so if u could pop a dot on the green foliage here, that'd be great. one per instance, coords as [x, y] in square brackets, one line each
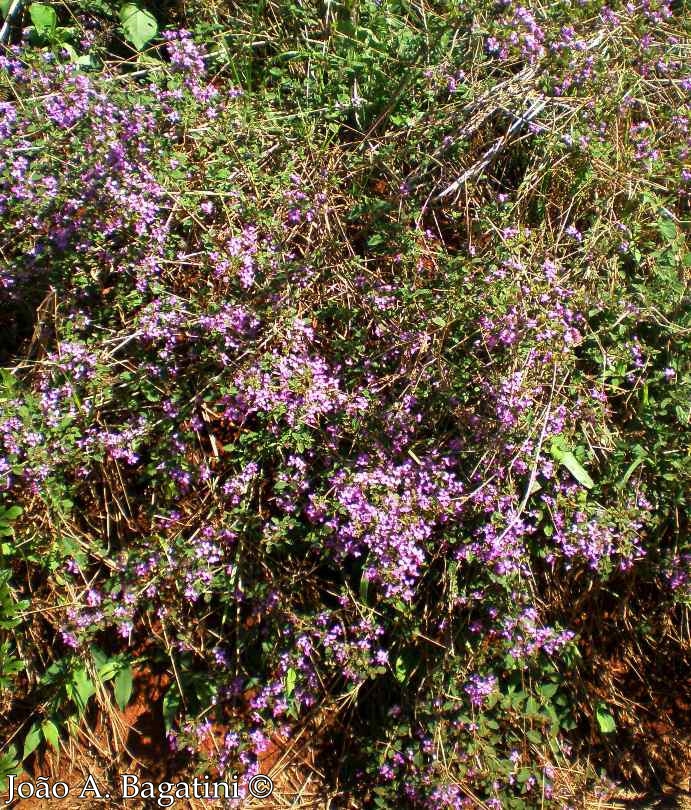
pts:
[11, 607]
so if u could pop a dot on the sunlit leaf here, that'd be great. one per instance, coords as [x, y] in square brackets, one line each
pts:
[139, 25]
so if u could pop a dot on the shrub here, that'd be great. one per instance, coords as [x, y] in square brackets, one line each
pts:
[358, 383]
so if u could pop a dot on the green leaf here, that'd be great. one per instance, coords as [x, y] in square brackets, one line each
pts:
[44, 18]
[605, 719]
[82, 689]
[100, 658]
[668, 230]
[5, 8]
[72, 53]
[51, 734]
[171, 706]
[548, 690]
[364, 587]
[139, 25]
[291, 679]
[32, 740]
[400, 670]
[123, 687]
[8, 765]
[107, 668]
[565, 457]
[632, 467]
[87, 61]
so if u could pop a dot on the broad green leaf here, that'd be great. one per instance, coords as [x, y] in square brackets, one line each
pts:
[32, 740]
[139, 25]
[568, 460]
[51, 734]
[123, 687]
[5, 8]
[667, 228]
[44, 18]
[605, 719]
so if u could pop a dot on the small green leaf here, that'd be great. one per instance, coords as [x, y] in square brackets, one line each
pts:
[8, 766]
[171, 706]
[44, 18]
[400, 670]
[82, 690]
[605, 719]
[87, 61]
[51, 734]
[632, 467]
[523, 775]
[100, 658]
[123, 687]
[32, 740]
[139, 25]
[72, 53]
[291, 679]
[364, 587]
[548, 690]
[109, 669]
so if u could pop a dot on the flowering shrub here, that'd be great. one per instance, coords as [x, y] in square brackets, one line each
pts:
[352, 388]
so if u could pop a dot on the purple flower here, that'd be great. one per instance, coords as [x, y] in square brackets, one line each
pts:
[479, 687]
